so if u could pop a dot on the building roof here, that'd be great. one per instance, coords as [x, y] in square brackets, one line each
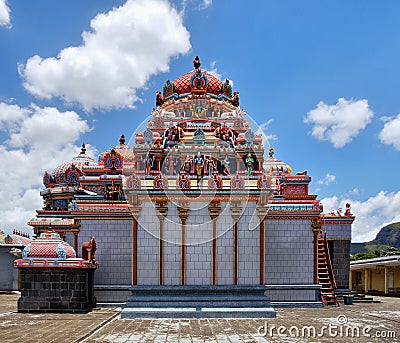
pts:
[14, 239]
[69, 172]
[385, 261]
[48, 245]
[183, 83]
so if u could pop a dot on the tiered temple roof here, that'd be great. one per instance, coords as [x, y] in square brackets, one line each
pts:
[198, 140]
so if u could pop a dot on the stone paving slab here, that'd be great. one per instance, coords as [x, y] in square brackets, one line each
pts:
[28, 327]
[105, 325]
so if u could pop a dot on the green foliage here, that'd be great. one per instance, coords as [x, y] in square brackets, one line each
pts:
[387, 236]
[387, 251]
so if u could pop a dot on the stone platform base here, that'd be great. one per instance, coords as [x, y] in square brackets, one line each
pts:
[60, 290]
[294, 296]
[244, 301]
[112, 294]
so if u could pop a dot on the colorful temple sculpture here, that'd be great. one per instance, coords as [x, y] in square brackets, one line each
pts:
[52, 279]
[197, 202]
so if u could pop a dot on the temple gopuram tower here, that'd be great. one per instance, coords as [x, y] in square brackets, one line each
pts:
[196, 201]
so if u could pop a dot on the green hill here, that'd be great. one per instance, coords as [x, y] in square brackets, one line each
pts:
[388, 236]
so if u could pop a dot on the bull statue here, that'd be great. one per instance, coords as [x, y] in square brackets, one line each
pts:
[89, 249]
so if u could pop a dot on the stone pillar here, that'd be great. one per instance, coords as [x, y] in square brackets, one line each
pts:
[236, 212]
[135, 210]
[158, 161]
[183, 215]
[238, 162]
[262, 212]
[214, 210]
[351, 280]
[162, 210]
[316, 228]
[366, 280]
[386, 281]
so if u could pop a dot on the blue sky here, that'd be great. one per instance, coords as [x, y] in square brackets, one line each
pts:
[321, 77]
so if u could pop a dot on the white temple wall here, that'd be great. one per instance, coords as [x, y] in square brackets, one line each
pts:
[199, 245]
[172, 246]
[288, 248]
[225, 258]
[148, 246]
[114, 253]
[249, 246]
[289, 252]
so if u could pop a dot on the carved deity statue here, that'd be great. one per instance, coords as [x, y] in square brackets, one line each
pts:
[210, 165]
[196, 62]
[226, 134]
[159, 99]
[226, 89]
[235, 99]
[225, 166]
[172, 135]
[249, 164]
[199, 165]
[148, 164]
[187, 165]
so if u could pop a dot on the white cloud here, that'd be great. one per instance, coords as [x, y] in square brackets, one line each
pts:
[4, 14]
[341, 122]
[39, 139]
[214, 72]
[390, 132]
[266, 137]
[205, 4]
[124, 48]
[199, 5]
[371, 215]
[329, 178]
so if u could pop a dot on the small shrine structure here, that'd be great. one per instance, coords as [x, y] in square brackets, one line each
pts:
[52, 279]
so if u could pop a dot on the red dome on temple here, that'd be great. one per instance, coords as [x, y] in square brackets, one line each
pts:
[182, 84]
[69, 172]
[48, 246]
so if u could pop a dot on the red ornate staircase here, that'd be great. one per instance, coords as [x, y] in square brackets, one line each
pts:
[326, 277]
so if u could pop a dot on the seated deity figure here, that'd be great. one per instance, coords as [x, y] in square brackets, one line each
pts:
[249, 164]
[166, 167]
[235, 99]
[172, 136]
[226, 134]
[187, 165]
[348, 210]
[159, 99]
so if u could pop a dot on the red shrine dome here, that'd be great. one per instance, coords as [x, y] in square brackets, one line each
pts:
[48, 246]
[69, 172]
[196, 82]
[183, 83]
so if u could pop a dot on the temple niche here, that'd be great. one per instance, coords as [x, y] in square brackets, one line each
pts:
[195, 200]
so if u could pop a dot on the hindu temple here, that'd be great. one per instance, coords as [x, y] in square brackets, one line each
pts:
[195, 205]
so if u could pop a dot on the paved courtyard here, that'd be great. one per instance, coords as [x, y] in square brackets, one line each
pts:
[377, 322]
